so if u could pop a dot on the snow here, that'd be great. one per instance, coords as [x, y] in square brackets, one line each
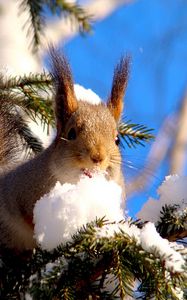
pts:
[150, 241]
[110, 230]
[178, 292]
[86, 94]
[59, 214]
[172, 191]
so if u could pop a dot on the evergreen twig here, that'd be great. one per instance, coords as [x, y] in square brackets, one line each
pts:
[74, 11]
[31, 95]
[134, 134]
[31, 143]
[37, 11]
[173, 222]
[35, 21]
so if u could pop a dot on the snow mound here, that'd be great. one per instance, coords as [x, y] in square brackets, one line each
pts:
[172, 191]
[86, 94]
[58, 214]
[150, 241]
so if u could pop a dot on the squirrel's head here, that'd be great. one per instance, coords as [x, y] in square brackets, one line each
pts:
[87, 136]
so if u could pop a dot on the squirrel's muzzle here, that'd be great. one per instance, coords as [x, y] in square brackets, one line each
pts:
[98, 155]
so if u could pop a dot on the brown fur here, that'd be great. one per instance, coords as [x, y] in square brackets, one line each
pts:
[63, 81]
[65, 159]
[120, 80]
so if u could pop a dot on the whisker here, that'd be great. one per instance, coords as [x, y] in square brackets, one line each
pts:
[64, 139]
[132, 167]
[115, 161]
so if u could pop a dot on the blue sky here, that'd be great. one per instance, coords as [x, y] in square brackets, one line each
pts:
[154, 32]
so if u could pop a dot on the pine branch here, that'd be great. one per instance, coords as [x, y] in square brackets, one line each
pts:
[78, 266]
[134, 134]
[20, 134]
[124, 277]
[31, 143]
[32, 94]
[144, 266]
[173, 222]
[13, 100]
[74, 270]
[74, 11]
[40, 80]
[36, 19]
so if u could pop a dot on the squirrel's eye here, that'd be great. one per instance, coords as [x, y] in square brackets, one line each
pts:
[117, 140]
[72, 134]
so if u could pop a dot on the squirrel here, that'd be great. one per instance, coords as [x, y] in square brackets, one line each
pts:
[86, 139]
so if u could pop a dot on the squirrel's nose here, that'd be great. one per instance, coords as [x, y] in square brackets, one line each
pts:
[98, 156]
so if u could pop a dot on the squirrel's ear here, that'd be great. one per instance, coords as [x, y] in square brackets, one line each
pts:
[65, 99]
[119, 84]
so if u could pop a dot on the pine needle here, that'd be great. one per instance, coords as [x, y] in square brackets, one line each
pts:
[134, 134]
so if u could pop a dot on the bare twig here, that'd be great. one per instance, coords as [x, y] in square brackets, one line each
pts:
[177, 236]
[156, 156]
[178, 154]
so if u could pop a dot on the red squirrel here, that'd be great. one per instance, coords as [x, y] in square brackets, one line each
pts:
[86, 139]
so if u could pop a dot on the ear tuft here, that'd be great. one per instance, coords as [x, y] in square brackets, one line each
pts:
[119, 84]
[65, 99]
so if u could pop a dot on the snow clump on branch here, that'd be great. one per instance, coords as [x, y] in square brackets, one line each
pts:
[66, 208]
[149, 239]
[61, 212]
[173, 191]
